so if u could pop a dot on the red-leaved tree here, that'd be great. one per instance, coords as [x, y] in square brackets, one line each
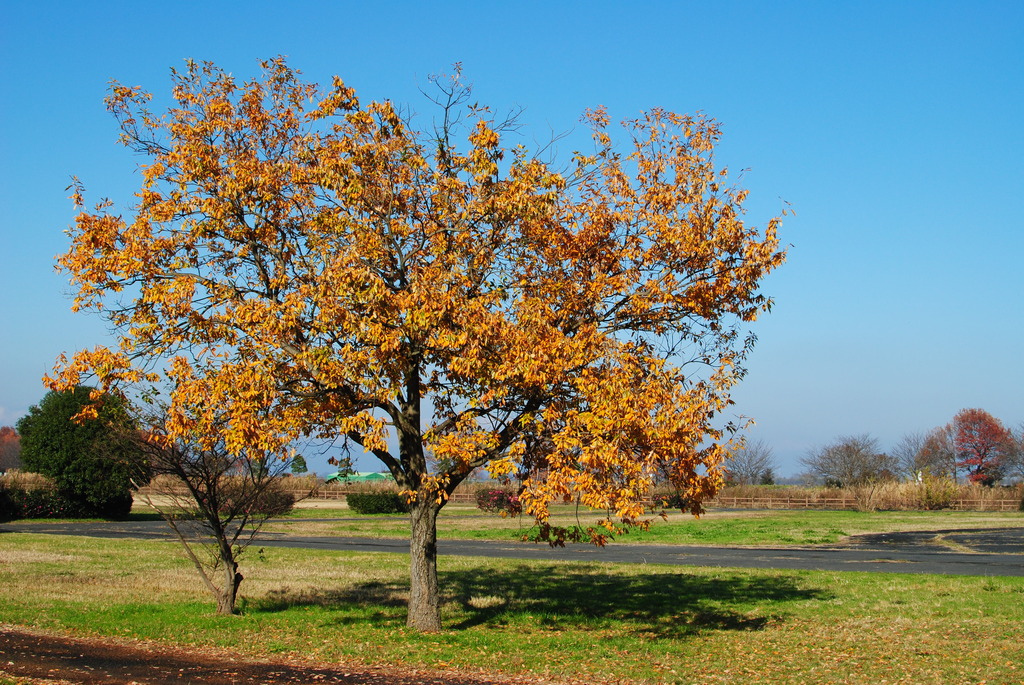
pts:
[981, 443]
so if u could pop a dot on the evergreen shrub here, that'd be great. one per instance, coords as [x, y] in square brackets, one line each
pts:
[377, 503]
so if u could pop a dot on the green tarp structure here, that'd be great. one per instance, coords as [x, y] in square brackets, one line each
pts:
[357, 477]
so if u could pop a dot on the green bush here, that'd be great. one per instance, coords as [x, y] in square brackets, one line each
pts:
[377, 503]
[92, 462]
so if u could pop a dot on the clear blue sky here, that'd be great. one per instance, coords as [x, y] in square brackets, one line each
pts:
[894, 129]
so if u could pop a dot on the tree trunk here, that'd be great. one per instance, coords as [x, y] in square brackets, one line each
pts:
[229, 592]
[424, 601]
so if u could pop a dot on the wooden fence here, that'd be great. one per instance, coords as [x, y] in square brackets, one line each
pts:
[783, 502]
[728, 502]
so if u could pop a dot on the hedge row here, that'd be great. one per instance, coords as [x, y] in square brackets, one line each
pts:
[377, 503]
[16, 503]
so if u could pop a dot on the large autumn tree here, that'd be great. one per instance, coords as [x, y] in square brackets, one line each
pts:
[316, 266]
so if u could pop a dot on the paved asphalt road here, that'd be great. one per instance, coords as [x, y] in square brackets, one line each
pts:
[990, 552]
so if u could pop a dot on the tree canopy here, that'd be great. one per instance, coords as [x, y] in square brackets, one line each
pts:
[314, 266]
[982, 444]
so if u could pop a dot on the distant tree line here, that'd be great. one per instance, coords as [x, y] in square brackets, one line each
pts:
[975, 447]
[10, 449]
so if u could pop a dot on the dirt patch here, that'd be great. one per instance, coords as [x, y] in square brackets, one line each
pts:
[46, 658]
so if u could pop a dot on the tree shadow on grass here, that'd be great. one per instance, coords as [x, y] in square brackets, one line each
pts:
[375, 595]
[578, 597]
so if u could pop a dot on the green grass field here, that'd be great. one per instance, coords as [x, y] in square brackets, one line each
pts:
[758, 527]
[597, 622]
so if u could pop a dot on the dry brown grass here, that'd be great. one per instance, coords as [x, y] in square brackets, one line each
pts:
[929, 494]
[25, 480]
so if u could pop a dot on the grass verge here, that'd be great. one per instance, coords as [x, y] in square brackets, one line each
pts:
[599, 622]
[751, 527]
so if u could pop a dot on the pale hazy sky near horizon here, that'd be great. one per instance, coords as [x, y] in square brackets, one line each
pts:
[893, 129]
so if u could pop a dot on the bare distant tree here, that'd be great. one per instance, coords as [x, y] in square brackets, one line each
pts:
[906, 452]
[850, 461]
[751, 463]
[1013, 462]
[938, 453]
